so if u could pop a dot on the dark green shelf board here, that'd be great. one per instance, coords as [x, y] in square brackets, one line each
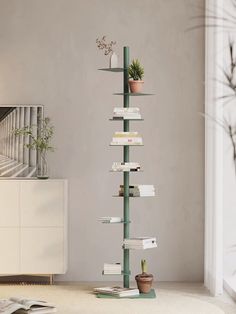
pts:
[150, 295]
[133, 94]
[112, 69]
[126, 119]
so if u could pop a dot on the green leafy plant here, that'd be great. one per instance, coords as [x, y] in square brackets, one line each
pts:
[136, 71]
[40, 135]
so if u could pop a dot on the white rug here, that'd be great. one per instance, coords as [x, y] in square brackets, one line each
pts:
[78, 299]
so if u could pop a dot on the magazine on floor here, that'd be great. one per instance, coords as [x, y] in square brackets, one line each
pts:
[20, 305]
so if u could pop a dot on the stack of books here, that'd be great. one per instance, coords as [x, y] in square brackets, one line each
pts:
[125, 166]
[112, 269]
[126, 138]
[110, 219]
[140, 243]
[118, 292]
[126, 113]
[138, 190]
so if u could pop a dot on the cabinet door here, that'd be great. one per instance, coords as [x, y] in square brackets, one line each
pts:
[42, 203]
[42, 250]
[9, 204]
[10, 253]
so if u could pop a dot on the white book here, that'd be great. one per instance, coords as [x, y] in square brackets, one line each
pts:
[126, 110]
[127, 140]
[128, 144]
[126, 134]
[145, 247]
[140, 240]
[110, 219]
[125, 164]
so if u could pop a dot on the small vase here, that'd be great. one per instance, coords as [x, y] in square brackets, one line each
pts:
[42, 166]
[113, 60]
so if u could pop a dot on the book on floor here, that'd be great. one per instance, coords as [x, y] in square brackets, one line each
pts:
[20, 305]
[117, 291]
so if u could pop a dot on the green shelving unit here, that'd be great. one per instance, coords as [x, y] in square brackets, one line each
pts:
[126, 175]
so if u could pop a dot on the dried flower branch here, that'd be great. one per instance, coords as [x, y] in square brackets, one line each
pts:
[102, 44]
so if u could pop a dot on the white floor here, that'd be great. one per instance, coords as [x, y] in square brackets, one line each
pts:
[172, 298]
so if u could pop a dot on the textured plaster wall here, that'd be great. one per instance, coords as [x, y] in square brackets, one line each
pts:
[48, 56]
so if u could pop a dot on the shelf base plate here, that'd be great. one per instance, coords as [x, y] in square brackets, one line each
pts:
[150, 295]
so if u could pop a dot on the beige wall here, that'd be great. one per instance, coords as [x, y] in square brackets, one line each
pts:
[48, 56]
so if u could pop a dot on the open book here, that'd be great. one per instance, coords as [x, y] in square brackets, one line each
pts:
[26, 306]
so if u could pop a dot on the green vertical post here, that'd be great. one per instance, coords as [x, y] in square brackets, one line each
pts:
[126, 174]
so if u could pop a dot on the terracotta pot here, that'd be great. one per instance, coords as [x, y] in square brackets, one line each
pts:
[136, 86]
[144, 282]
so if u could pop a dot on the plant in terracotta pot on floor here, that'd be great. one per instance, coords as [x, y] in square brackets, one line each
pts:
[136, 72]
[40, 137]
[144, 280]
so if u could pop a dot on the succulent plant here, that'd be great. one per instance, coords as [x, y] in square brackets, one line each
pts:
[144, 266]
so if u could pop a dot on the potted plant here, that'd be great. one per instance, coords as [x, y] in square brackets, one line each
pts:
[136, 72]
[144, 280]
[108, 50]
[40, 137]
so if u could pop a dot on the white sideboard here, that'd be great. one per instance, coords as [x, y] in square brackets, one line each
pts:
[33, 227]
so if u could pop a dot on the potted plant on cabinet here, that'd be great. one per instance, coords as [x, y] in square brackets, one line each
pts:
[144, 280]
[40, 136]
[136, 72]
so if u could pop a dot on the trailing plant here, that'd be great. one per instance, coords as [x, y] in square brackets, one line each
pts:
[136, 71]
[106, 46]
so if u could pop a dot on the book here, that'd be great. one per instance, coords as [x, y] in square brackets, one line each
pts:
[126, 138]
[142, 240]
[138, 190]
[121, 110]
[131, 140]
[110, 219]
[126, 166]
[21, 305]
[140, 243]
[128, 117]
[117, 291]
[112, 269]
[140, 186]
[137, 194]
[126, 134]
